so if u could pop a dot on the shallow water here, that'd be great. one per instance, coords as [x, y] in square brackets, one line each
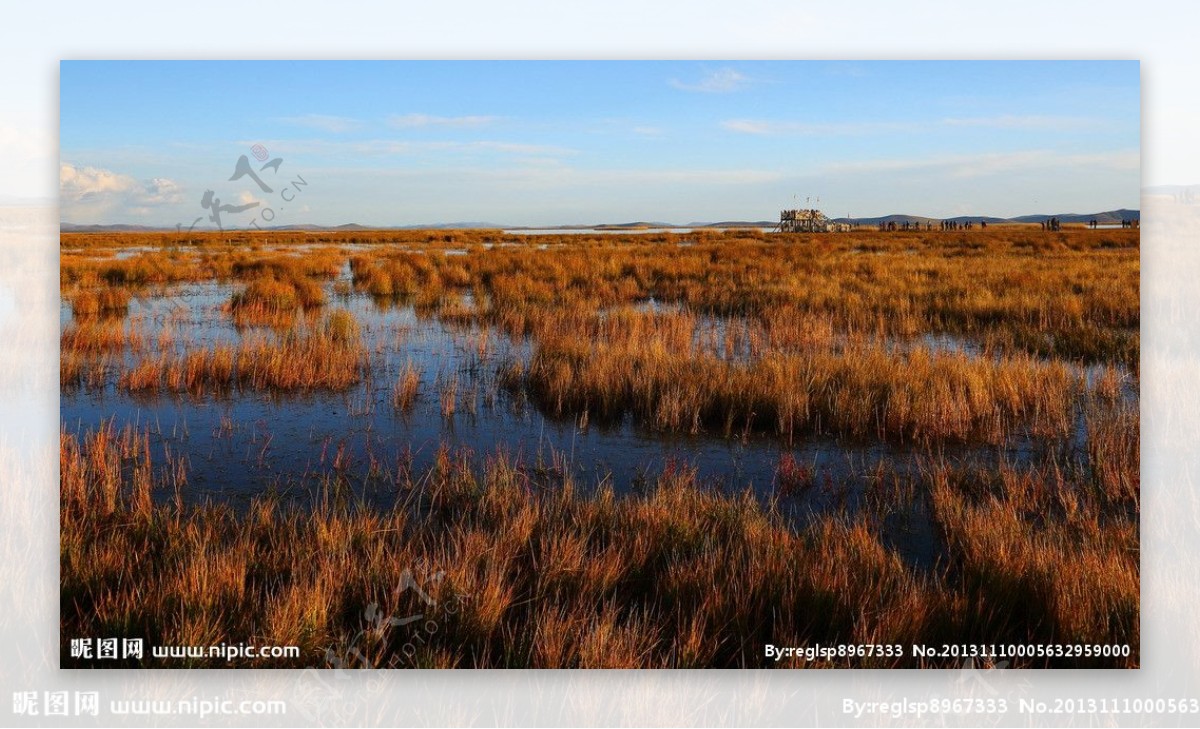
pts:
[240, 445]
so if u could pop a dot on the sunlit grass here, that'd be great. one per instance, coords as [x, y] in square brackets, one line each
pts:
[329, 356]
[541, 574]
[930, 340]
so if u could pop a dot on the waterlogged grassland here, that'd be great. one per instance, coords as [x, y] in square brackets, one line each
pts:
[603, 450]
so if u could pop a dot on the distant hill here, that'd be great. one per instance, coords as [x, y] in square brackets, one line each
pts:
[422, 226]
[898, 219]
[735, 224]
[307, 226]
[1108, 217]
[118, 228]
[631, 226]
[446, 226]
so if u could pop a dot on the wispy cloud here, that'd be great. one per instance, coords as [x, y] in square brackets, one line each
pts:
[411, 121]
[388, 147]
[981, 165]
[766, 127]
[679, 177]
[325, 122]
[565, 177]
[720, 81]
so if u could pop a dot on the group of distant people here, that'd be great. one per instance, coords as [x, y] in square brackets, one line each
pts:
[906, 225]
[962, 224]
[1049, 224]
[943, 225]
[1125, 223]
[1055, 224]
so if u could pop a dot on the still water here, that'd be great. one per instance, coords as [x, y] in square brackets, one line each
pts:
[239, 445]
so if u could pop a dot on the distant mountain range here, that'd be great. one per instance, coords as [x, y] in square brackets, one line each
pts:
[1108, 217]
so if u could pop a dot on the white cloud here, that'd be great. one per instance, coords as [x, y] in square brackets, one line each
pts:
[92, 190]
[160, 191]
[720, 81]
[245, 197]
[410, 121]
[87, 183]
[326, 122]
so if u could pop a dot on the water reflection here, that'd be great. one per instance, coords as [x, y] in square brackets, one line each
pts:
[240, 445]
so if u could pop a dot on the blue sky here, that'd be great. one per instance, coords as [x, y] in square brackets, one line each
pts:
[543, 143]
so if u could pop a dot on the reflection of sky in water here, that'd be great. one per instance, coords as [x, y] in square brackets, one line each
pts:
[239, 445]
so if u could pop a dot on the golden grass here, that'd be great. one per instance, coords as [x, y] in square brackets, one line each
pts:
[274, 298]
[407, 387]
[139, 269]
[92, 336]
[448, 395]
[532, 572]
[1066, 294]
[652, 366]
[791, 336]
[88, 346]
[108, 300]
[274, 295]
[76, 369]
[328, 356]
[1072, 578]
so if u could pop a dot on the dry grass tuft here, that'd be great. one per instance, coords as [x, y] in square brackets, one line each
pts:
[515, 567]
